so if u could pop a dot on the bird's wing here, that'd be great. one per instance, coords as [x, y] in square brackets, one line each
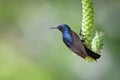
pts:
[78, 46]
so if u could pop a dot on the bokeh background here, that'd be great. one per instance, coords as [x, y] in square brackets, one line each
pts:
[29, 50]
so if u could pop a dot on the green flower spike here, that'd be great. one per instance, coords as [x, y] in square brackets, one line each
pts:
[95, 43]
[87, 21]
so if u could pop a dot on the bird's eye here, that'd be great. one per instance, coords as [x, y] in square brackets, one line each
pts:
[60, 28]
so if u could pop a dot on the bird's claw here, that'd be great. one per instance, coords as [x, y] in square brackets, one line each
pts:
[81, 36]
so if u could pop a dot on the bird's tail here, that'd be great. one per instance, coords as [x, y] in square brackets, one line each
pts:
[91, 54]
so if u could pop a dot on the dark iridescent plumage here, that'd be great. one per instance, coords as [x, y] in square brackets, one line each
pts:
[74, 43]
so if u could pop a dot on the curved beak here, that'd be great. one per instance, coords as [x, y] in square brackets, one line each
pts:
[53, 28]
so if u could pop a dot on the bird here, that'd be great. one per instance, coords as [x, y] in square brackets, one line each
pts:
[75, 43]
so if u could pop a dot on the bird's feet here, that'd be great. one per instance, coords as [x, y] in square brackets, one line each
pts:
[81, 36]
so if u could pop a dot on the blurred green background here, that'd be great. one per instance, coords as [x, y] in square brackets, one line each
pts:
[29, 50]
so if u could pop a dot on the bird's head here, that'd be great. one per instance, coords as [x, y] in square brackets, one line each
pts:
[62, 27]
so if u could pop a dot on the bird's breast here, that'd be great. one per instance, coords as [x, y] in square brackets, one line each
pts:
[68, 40]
